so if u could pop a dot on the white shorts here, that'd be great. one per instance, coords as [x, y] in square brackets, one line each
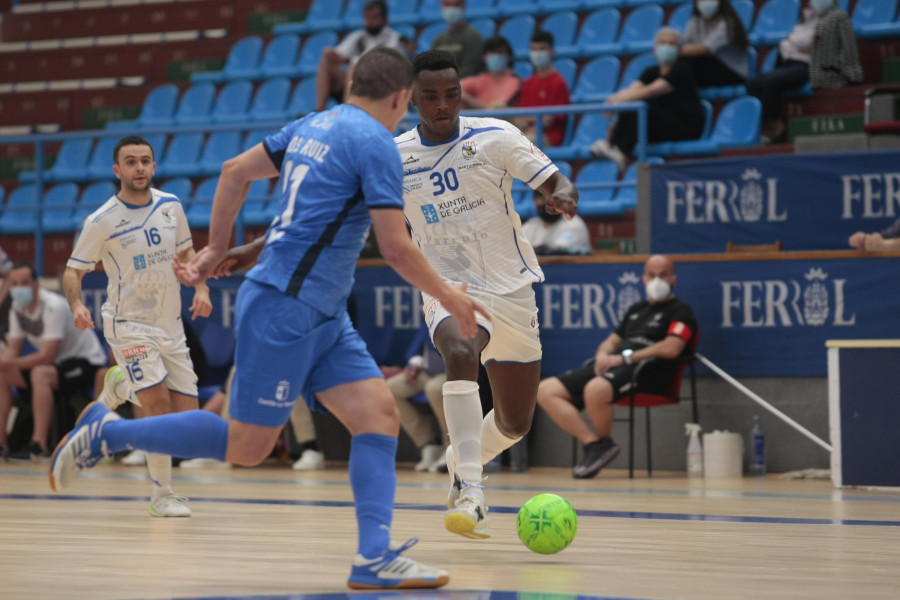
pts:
[514, 331]
[150, 355]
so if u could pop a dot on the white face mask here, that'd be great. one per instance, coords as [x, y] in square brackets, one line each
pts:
[657, 290]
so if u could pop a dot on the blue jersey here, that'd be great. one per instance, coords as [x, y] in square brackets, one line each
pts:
[335, 166]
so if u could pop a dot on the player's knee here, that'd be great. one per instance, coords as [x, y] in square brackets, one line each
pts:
[460, 356]
[598, 390]
[42, 375]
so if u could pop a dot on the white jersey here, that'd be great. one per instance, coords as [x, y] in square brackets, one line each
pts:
[136, 245]
[458, 204]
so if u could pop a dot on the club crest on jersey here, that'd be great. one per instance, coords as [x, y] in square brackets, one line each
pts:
[468, 150]
[140, 262]
[165, 213]
[431, 214]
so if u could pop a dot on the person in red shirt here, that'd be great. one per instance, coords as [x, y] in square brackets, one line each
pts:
[545, 88]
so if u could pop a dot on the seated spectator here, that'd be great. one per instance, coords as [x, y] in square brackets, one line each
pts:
[834, 58]
[336, 64]
[659, 328]
[715, 44]
[550, 233]
[674, 111]
[499, 86]
[545, 88]
[460, 39]
[65, 359]
[886, 240]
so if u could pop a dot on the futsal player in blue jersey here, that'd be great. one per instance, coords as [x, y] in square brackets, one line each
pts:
[340, 175]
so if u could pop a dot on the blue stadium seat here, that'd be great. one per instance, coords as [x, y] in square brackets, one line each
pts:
[509, 8]
[635, 67]
[427, 35]
[254, 137]
[242, 62]
[680, 16]
[182, 157]
[523, 69]
[403, 12]
[312, 51]
[100, 164]
[70, 164]
[220, 146]
[599, 28]
[270, 101]
[232, 102]
[486, 27]
[769, 63]
[597, 80]
[639, 28]
[596, 4]
[430, 12]
[667, 148]
[92, 197]
[552, 6]
[627, 196]
[353, 14]
[563, 25]
[736, 126]
[591, 127]
[567, 68]
[323, 15]
[303, 100]
[180, 187]
[517, 31]
[598, 202]
[281, 57]
[875, 19]
[159, 106]
[196, 102]
[24, 219]
[745, 10]
[481, 9]
[258, 209]
[404, 30]
[198, 213]
[523, 203]
[59, 207]
[775, 20]
[727, 92]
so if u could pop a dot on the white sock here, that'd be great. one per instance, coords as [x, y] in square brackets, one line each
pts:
[462, 409]
[124, 394]
[160, 467]
[493, 442]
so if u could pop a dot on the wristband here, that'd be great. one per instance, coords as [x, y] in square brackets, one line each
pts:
[626, 356]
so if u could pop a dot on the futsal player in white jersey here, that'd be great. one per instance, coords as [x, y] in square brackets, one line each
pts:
[457, 177]
[136, 234]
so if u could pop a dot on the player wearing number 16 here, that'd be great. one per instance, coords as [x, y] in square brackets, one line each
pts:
[136, 234]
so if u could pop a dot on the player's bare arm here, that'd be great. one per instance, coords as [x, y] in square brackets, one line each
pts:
[561, 194]
[239, 258]
[404, 257]
[72, 289]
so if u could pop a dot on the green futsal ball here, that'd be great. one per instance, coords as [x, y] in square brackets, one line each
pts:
[547, 523]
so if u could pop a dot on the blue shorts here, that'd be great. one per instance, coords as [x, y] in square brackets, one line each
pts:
[286, 347]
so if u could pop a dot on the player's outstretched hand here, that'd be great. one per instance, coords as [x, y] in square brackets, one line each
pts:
[237, 259]
[202, 305]
[561, 203]
[83, 318]
[198, 268]
[463, 308]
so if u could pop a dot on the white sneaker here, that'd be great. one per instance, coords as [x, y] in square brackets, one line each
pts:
[310, 460]
[203, 463]
[392, 570]
[455, 482]
[430, 454]
[602, 149]
[135, 458]
[109, 396]
[469, 518]
[169, 505]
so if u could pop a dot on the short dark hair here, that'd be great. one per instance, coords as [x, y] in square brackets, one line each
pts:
[498, 42]
[542, 37]
[130, 140]
[380, 72]
[24, 264]
[434, 60]
[379, 4]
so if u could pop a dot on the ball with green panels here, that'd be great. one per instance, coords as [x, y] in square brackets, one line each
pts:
[547, 523]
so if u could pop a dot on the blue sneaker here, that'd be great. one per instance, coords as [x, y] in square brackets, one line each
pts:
[83, 447]
[391, 570]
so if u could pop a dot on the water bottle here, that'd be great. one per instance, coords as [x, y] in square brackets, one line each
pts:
[694, 457]
[758, 466]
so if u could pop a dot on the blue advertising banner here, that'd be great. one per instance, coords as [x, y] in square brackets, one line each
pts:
[808, 202]
[757, 318]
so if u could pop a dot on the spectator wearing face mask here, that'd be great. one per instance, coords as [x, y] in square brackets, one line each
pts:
[674, 111]
[498, 86]
[715, 44]
[460, 39]
[545, 88]
[834, 57]
[551, 234]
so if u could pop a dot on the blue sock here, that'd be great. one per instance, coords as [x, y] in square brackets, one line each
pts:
[374, 481]
[189, 434]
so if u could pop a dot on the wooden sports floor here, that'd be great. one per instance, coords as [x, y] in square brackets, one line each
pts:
[270, 532]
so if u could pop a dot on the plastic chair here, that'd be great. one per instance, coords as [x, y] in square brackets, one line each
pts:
[552, 6]
[242, 63]
[518, 31]
[486, 27]
[353, 14]
[281, 57]
[182, 157]
[627, 196]
[745, 10]
[736, 126]
[647, 401]
[403, 12]
[590, 127]
[523, 69]
[599, 28]
[70, 165]
[220, 146]
[509, 8]
[232, 103]
[24, 220]
[196, 103]
[483, 8]
[92, 198]
[159, 107]
[563, 25]
[303, 100]
[639, 28]
[430, 12]
[679, 17]
[597, 80]
[595, 4]
[180, 187]
[254, 137]
[58, 208]
[635, 67]
[598, 202]
[567, 68]
[427, 35]
[100, 164]
[775, 20]
[270, 101]
[323, 15]
[200, 209]
[257, 210]
[312, 52]
[875, 18]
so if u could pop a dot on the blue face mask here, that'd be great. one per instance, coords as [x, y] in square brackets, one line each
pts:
[540, 58]
[496, 63]
[708, 8]
[665, 53]
[22, 295]
[452, 14]
[821, 6]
